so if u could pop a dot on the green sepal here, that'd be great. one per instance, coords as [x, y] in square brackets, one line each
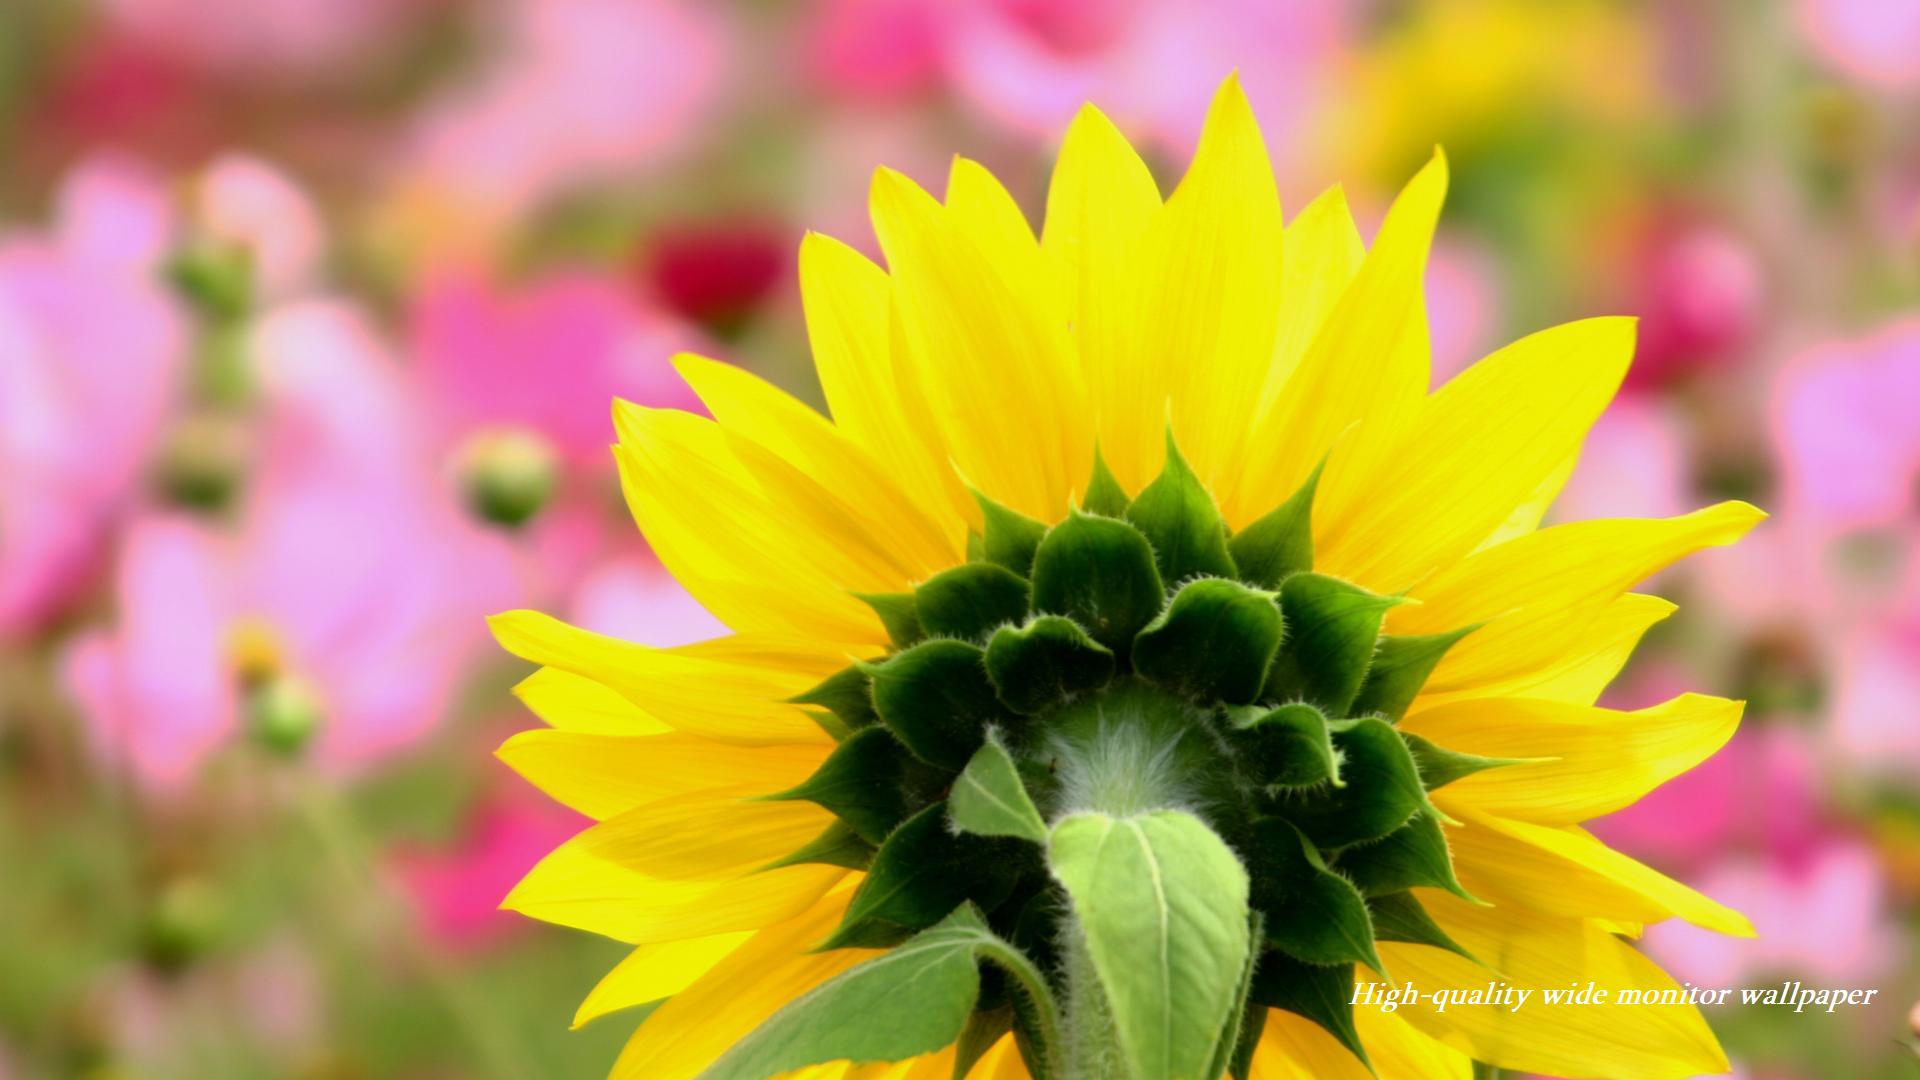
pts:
[1010, 537]
[1100, 573]
[1049, 659]
[913, 1000]
[898, 614]
[937, 699]
[1178, 516]
[1323, 995]
[923, 871]
[985, 1027]
[1104, 494]
[1280, 544]
[1440, 766]
[837, 845]
[847, 695]
[1312, 913]
[970, 600]
[1290, 746]
[1382, 789]
[1399, 917]
[1412, 856]
[1400, 668]
[1214, 642]
[871, 782]
[989, 798]
[1331, 629]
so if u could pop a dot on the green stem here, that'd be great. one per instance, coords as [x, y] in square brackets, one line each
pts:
[1037, 1016]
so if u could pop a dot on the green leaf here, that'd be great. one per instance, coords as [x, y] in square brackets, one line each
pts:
[1440, 766]
[937, 698]
[1331, 629]
[1049, 659]
[898, 614]
[1104, 495]
[837, 845]
[970, 600]
[984, 1028]
[1099, 572]
[1323, 995]
[1229, 1048]
[870, 782]
[1010, 537]
[923, 871]
[1382, 787]
[912, 1000]
[1287, 747]
[1212, 643]
[1161, 903]
[1179, 518]
[1400, 668]
[847, 695]
[1280, 544]
[1414, 855]
[990, 800]
[1399, 917]
[1312, 913]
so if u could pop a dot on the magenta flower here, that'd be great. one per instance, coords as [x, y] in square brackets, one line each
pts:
[255, 38]
[1872, 41]
[456, 888]
[91, 348]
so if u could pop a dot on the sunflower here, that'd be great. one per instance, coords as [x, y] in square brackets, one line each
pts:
[1142, 673]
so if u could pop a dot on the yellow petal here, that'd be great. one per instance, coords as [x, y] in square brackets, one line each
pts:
[1509, 422]
[1207, 307]
[1565, 870]
[652, 972]
[848, 307]
[1368, 364]
[1295, 1048]
[698, 1024]
[1584, 670]
[727, 696]
[750, 406]
[1601, 759]
[1537, 595]
[982, 208]
[995, 365]
[574, 887]
[1323, 252]
[1527, 516]
[576, 703]
[1538, 952]
[711, 835]
[603, 775]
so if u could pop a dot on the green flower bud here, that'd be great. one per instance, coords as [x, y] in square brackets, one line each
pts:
[509, 476]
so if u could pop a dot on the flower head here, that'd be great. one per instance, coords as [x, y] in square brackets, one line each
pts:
[1141, 625]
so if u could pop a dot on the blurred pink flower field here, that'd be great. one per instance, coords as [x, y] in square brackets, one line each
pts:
[312, 316]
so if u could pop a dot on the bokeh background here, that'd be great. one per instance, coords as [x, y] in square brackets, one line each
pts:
[311, 311]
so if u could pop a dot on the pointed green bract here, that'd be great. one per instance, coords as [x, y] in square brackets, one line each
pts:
[1311, 913]
[1400, 668]
[1214, 642]
[989, 798]
[1045, 662]
[870, 782]
[898, 614]
[837, 845]
[1010, 537]
[1279, 545]
[1161, 904]
[936, 698]
[1287, 747]
[1104, 495]
[1382, 789]
[847, 695]
[1412, 856]
[1100, 573]
[913, 1000]
[1399, 917]
[1440, 766]
[1178, 517]
[1331, 629]
[971, 600]
[923, 871]
[1323, 995]
[1252, 1026]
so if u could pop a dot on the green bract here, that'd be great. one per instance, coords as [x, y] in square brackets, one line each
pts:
[1151, 760]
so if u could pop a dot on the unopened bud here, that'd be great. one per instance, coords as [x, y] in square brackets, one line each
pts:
[183, 923]
[509, 476]
[216, 279]
[283, 714]
[202, 461]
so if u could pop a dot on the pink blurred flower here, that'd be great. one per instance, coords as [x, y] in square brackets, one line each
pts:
[716, 273]
[1698, 290]
[243, 203]
[1634, 464]
[1870, 40]
[634, 598]
[1463, 304]
[578, 92]
[350, 574]
[91, 346]
[456, 889]
[876, 49]
[273, 38]
[1843, 424]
